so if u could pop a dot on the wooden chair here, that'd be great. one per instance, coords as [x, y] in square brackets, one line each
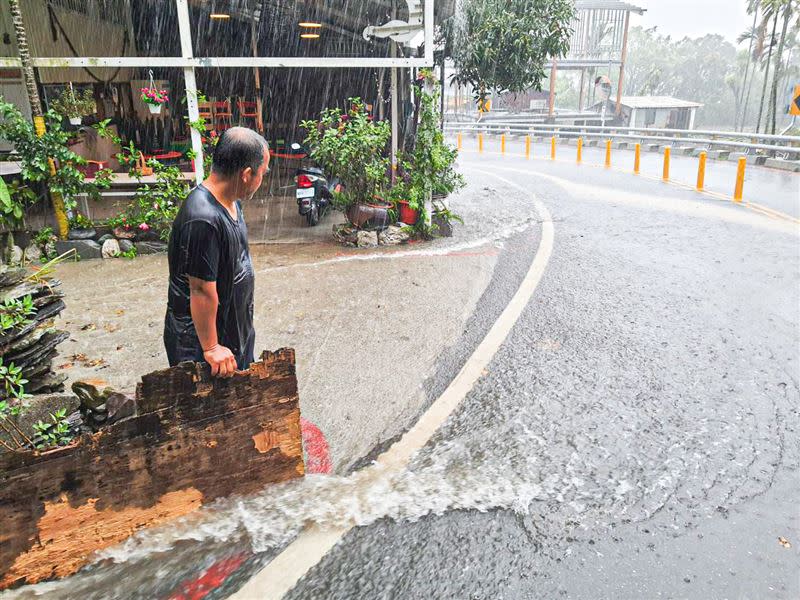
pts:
[206, 113]
[249, 110]
[223, 115]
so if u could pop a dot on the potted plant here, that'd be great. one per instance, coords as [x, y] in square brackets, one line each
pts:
[74, 106]
[154, 98]
[349, 146]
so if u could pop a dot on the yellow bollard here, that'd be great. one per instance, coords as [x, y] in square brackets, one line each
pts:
[637, 159]
[738, 193]
[553, 148]
[608, 154]
[480, 142]
[667, 155]
[580, 149]
[502, 144]
[527, 146]
[460, 142]
[701, 172]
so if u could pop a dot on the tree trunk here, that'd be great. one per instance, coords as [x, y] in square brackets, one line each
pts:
[740, 118]
[36, 107]
[787, 13]
[193, 439]
[766, 72]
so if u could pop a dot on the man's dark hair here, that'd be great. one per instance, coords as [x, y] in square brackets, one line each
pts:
[237, 149]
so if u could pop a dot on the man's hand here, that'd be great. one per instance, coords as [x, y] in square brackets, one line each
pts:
[222, 361]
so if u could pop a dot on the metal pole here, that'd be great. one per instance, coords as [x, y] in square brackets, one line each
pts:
[257, 79]
[623, 58]
[191, 86]
[395, 116]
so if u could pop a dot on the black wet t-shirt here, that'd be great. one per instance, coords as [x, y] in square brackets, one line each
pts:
[208, 244]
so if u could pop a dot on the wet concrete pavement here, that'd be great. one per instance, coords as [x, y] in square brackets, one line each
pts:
[636, 437]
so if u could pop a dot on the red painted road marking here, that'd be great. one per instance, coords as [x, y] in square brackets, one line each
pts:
[210, 580]
[318, 462]
[318, 458]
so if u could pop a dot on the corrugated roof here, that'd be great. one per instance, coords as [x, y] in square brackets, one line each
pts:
[657, 102]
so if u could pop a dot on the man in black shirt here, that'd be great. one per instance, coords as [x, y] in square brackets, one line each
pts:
[211, 279]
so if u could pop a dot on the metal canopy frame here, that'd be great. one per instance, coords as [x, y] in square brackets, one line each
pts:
[188, 62]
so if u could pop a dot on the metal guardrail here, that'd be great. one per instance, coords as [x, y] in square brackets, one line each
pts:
[781, 144]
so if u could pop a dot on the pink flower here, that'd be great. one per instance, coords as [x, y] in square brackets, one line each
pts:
[144, 227]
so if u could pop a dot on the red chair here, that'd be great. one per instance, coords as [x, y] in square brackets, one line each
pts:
[250, 110]
[223, 115]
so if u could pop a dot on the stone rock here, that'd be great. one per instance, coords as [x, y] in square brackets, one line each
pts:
[392, 236]
[110, 248]
[124, 234]
[367, 239]
[86, 249]
[125, 245]
[81, 234]
[150, 247]
[15, 255]
[50, 249]
[104, 238]
[345, 234]
[33, 253]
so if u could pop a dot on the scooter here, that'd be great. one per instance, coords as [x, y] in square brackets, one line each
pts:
[314, 190]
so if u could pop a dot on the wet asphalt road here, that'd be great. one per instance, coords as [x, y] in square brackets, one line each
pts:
[637, 434]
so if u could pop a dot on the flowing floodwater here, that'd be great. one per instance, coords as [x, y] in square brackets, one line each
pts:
[500, 451]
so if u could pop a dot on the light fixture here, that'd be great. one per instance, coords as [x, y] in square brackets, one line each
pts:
[310, 25]
[309, 36]
[220, 16]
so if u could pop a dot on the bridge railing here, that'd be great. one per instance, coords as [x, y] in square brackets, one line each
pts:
[748, 143]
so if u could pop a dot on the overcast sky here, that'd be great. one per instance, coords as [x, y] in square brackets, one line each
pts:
[694, 18]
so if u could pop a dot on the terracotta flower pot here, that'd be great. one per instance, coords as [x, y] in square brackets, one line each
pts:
[407, 215]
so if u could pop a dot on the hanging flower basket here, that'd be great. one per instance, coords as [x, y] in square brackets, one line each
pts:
[153, 97]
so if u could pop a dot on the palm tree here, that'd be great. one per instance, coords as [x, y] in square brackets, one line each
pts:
[789, 8]
[753, 34]
[36, 106]
[770, 12]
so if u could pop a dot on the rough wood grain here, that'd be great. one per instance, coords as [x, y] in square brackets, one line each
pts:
[194, 439]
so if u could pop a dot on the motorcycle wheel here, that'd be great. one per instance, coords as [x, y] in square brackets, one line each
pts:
[313, 214]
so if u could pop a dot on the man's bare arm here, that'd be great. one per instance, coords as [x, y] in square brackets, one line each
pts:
[203, 304]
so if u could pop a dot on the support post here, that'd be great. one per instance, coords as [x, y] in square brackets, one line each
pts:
[738, 192]
[395, 116]
[580, 150]
[581, 96]
[257, 80]
[667, 155]
[637, 159]
[608, 154]
[553, 75]
[701, 172]
[191, 86]
[623, 58]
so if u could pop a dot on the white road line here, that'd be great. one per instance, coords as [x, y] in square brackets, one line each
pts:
[286, 569]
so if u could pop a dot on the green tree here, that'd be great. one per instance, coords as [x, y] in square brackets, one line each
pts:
[502, 45]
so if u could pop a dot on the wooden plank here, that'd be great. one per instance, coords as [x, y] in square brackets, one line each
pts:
[194, 439]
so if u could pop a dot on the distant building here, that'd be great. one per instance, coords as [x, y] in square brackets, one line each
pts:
[652, 112]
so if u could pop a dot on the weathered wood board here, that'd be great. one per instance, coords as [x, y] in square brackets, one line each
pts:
[194, 439]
